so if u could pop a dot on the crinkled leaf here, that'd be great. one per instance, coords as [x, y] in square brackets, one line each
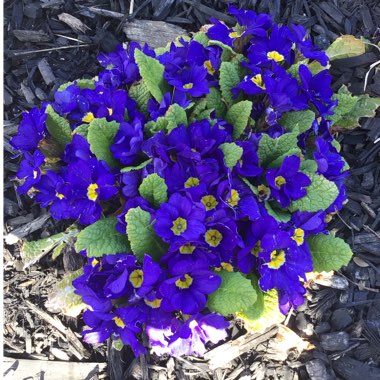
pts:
[280, 215]
[152, 72]
[81, 83]
[299, 121]
[202, 38]
[328, 252]
[236, 293]
[153, 188]
[227, 52]
[215, 102]
[198, 109]
[58, 250]
[232, 154]
[238, 115]
[142, 236]
[320, 195]
[175, 116]
[102, 238]
[308, 166]
[229, 78]
[63, 300]
[117, 344]
[58, 127]
[141, 94]
[271, 150]
[82, 130]
[264, 313]
[351, 108]
[138, 167]
[101, 134]
[151, 127]
[32, 251]
[345, 47]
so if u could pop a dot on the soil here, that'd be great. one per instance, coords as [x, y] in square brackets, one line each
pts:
[340, 320]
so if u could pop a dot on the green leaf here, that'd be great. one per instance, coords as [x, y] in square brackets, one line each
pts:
[232, 154]
[32, 251]
[141, 94]
[62, 298]
[298, 122]
[197, 111]
[238, 115]
[264, 313]
[117, 344]
[345, 47]
[279, 214]
[351, 108]
[153, 188]
[308, 166]
[102, 238]
[81, 83]
[142, 236]
[58, 127]
[229, 78]
[81, 130]
[320, 195]
[100, 137]
[202, 38]
[152, 72]
[328, 252]
[235, 294]
[151, 127]
[176, 116]
[271, 150]
[215, 102]
[227, 53]
[138, 167]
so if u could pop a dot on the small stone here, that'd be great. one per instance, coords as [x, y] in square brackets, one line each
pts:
[336, 341]
[301, 322]
[341, 319]
[322, 327]
[316, 370]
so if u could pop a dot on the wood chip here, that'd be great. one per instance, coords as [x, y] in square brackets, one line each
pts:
[73, 22]
[52, 370]
[154, 33]
[31, 35]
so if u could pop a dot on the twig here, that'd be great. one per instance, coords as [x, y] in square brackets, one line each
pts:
[367, 73]
[339, 354]
[131, 5]
[358, 285]
[26, 52]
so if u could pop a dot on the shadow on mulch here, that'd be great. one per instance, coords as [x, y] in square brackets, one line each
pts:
[51, 42]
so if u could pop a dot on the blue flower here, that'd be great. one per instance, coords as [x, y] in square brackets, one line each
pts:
[31, 130]
[287, 183]
[29, 173]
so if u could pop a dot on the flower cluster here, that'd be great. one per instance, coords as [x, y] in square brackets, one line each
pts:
[212, 155]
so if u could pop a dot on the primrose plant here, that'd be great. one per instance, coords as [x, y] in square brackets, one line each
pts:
[204, 175]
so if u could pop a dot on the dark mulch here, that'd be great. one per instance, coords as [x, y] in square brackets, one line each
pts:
[45, 47]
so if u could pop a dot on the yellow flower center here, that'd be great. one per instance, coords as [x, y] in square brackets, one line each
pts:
[234, 35]
[136, 278]
[276, 56]
[228, 267]
[277, 259]
[258, 81]
[35, 174]
[187, 249]
[88, 117]
[208, 66]
[209, 201]
[234, 199]
[179, 226]
[213, 237]
[92, 194]
[94, 263]
[188, 86]
[119, 322]
[298, 236]
[328, 218]
[191, 182]
[59, 195]
[155, 304]
[184, 282]
[279, 181]
[110, 111]
[256, 249]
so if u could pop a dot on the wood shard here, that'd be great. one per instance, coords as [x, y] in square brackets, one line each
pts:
[155, 33]
[31, 35]
[73, 22]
